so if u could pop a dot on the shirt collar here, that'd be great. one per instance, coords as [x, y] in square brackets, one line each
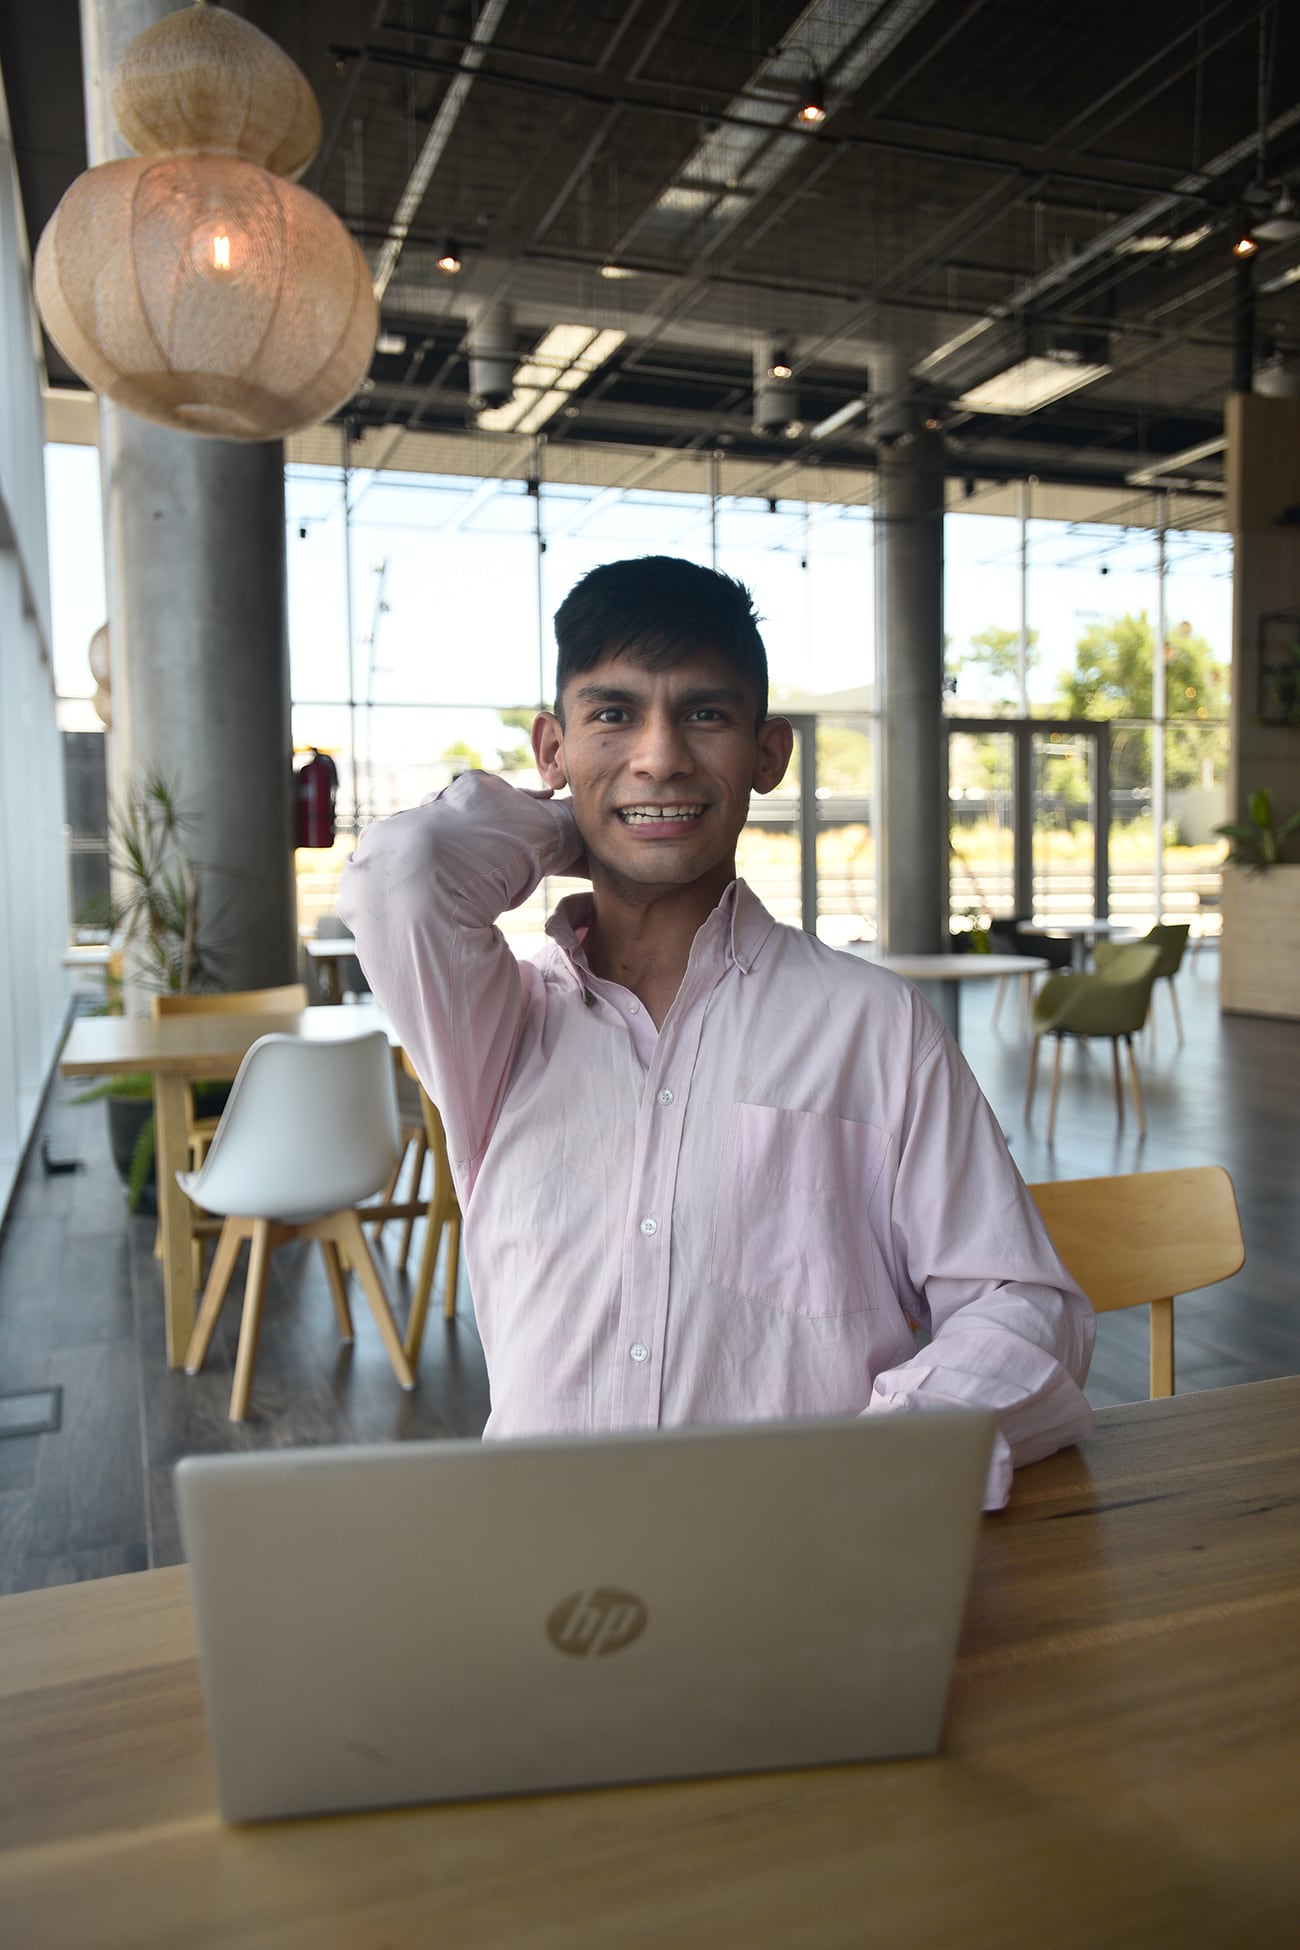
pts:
[738, 926]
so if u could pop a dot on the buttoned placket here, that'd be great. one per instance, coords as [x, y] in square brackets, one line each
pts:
[648, 1239]
[668, 1057]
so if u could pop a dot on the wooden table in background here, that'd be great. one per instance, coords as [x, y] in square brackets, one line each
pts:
[176, 1051]
[1082, 936]
[1120, 1766]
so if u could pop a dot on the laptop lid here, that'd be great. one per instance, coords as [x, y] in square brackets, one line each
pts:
[441, 1620]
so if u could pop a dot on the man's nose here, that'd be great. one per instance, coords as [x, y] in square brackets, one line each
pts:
[662, 750]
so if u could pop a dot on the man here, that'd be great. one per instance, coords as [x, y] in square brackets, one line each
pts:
[711, 1170]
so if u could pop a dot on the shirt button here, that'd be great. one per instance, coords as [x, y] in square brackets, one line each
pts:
[665, 1096]
[648, 1226]
[633, 1006]
[639, 1351]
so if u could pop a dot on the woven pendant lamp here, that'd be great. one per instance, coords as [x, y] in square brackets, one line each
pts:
[101, 672]
[198, 286]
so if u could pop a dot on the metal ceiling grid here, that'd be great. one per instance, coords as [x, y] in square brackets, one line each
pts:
[989, 166]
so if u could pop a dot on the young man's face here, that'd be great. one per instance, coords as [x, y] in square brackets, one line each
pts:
[661, 765]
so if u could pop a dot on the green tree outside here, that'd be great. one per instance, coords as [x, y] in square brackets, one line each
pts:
[1113, 677]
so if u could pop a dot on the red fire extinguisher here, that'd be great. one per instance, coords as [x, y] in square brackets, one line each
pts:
[316, 783]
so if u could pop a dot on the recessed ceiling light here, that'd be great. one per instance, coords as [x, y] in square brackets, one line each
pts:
[1033, 382]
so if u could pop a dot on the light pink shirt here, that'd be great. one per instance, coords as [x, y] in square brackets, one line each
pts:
[726, 1219]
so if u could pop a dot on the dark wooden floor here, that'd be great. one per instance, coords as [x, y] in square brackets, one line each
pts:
[81, 1307]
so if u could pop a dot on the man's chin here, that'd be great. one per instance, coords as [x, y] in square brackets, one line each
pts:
[670, 867]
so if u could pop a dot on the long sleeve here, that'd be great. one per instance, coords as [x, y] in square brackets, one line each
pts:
[422, 893]
[1010, 1329]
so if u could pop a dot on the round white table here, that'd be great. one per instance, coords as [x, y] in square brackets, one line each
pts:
[1081, 935]
[939, 977]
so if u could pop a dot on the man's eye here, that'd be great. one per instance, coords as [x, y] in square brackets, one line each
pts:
[612, 714]
[706, 714]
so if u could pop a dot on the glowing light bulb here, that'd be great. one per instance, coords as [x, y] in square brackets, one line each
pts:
[221, 251]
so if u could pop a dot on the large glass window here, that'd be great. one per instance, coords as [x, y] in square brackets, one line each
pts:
[1086, 622]
[421, 643]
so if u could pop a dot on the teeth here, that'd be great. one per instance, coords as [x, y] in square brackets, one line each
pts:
[658, 815]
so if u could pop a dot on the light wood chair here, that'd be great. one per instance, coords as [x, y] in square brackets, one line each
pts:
[1141, 1239]
[310, 1130]
[200, 1131]
[440, 1210]
[286, 1000]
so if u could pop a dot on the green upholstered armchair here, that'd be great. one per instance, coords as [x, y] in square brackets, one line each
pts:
[1170, 937]
[1112, 1003]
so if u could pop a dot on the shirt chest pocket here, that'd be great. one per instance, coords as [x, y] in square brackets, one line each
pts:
[791, 1230]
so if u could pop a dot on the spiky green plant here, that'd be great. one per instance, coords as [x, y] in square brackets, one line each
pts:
[155, 910]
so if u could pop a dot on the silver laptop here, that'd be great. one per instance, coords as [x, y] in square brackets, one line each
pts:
[441, 1620]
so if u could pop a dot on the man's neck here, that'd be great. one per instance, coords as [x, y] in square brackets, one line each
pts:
[642, 937]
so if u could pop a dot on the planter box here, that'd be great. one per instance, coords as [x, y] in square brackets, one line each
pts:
[1259, 969]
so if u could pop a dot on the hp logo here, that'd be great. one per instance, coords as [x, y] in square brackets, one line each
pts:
[601, 1620]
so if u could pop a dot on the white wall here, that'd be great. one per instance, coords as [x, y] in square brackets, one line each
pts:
[33, 888]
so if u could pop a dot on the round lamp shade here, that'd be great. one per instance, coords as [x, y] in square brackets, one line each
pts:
[204, 79]
[207, 294]
[103, 704]
[98, 654]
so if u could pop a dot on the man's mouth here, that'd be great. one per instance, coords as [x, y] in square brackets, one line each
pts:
[659, 815]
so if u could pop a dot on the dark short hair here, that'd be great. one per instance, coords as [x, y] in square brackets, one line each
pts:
[658, 610]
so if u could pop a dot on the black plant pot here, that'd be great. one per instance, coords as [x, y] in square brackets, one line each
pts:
[127, 1117]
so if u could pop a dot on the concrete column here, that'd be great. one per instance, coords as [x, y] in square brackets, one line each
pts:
[914, 758]
[194, 537]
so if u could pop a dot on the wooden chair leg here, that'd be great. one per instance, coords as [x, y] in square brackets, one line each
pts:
[1033, 1077]
[453, 1264]
[347, 1227]
[1178, 1015]
[251, 1324]
[1137, 1087]
[338, 1291]
[1162, 1349]
[389, 1189]
[1119, 1081]
[423, 1287]
[1056, 1084]
[413, 1193]
[233, 1234]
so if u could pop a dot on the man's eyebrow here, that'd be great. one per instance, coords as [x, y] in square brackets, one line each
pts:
[613, 694]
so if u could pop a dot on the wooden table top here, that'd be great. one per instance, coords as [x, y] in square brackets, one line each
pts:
[200, 1045]
[1120, 1766]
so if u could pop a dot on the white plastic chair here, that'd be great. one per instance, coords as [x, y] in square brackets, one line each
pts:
[309, 1130]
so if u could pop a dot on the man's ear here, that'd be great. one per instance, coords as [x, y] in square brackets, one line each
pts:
[548, 749]
[775, 744]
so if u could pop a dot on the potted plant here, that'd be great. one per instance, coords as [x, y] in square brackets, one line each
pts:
[1259, 969]
[154, 919]
[1259, 841]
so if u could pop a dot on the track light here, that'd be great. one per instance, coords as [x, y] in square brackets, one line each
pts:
[780, 367]
[1245, 245]
[449, 258]
[812, 109]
